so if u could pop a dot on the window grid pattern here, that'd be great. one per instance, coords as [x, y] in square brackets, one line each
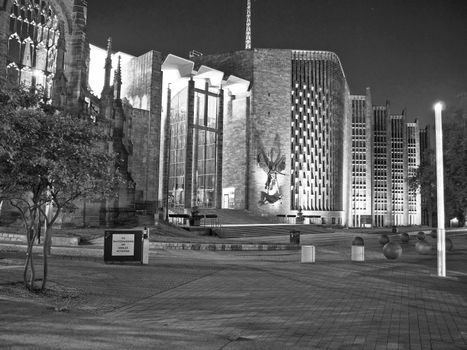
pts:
[397, 168]
[424, 200]
[413, 148]
[359, 159]
[380, 154]
[315, 79]
[205, 123]
[32, 44]
[178, 132]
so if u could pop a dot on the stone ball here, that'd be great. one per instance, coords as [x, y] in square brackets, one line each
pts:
[449, 245]
[423, 247]
[421, 236]
[392, 250]
[434, 233]
[383, 239]
[358, 241]
[405, 238]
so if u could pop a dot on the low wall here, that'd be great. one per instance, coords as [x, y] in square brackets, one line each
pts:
[56, 241]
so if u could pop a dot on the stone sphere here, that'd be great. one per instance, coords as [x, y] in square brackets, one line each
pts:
[434, 233]
[421, 236]
[449, 245]
[423, 247]
[392, 250]
[405, 238]
[358, 241]
[383, 239]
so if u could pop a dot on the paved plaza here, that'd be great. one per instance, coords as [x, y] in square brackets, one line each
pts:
[244, 300]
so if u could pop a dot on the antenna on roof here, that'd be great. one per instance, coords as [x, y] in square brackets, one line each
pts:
[248, 26]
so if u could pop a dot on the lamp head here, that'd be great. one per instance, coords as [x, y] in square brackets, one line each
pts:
[439, 106]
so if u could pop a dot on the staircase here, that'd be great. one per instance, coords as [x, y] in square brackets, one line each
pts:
[263, 231]
[239, 217]
[242, 223]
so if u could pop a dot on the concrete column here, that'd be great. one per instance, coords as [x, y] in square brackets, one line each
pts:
[189, 146]
[440, 191]
[220, 141]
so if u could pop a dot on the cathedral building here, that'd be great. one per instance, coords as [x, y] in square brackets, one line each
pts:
[294, 155]
[271, 131]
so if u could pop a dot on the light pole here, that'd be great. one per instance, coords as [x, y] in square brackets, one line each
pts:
[440, 190]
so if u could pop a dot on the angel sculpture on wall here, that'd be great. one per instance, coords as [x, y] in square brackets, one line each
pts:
[273, 165]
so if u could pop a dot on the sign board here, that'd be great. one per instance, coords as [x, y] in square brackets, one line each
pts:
[123, 245]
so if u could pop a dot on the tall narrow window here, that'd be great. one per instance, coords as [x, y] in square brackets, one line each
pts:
[32, 44]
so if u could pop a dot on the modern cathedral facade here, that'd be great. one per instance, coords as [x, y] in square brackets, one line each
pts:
[271, 131]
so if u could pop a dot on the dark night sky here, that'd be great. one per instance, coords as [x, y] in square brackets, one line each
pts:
[412, 52]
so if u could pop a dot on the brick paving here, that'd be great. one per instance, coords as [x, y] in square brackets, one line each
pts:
[249, 300]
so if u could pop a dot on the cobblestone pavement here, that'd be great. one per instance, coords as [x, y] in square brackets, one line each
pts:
[247, 300]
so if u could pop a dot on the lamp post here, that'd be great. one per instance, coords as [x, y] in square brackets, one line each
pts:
[440, 191]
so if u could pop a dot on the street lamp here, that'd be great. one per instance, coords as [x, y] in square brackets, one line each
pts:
[440, 190]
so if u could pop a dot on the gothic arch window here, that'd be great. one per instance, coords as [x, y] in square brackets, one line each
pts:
[32, 44]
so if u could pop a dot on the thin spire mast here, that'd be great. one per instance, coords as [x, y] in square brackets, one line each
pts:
[108, 66]
[248, 26]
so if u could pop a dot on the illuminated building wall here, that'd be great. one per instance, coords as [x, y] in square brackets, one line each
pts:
[140, 97]
[318, 123]
[398, 152]
[396, 156]
[381, 165]
[425, 159]
[194, 133]
[362, 178]
[413, 162]
[297, 132]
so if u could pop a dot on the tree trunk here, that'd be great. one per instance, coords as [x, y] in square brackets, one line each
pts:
[33, 274]
[29, 267]
[45, 253]
[47, 243]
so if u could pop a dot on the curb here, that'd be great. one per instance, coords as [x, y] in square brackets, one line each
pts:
[58, 251]
[221, 246]
[98, 251]
[56, 240]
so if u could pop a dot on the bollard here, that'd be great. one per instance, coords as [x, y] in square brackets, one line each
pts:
[449, 244]
[423, 247]
[145, 257]
[294, 237]
[308, 254]
[405, 238]
[358, 249]
[392, 250]
[383, 239]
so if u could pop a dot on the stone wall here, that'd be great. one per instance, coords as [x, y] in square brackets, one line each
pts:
[238, 63]
[143, 125]
[77, 53]
[235, 164]
[262, 120]
[270, 125]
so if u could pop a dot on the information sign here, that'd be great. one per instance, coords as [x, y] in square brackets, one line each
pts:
[123, 245]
